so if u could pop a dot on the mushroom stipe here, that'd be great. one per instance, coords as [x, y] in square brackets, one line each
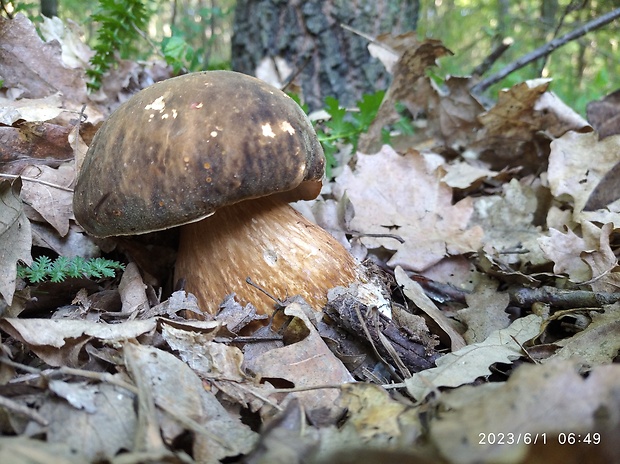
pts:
[219, 154]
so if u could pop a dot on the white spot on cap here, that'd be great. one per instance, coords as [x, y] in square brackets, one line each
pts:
[174, 114]
[267, 132]
[286, 127]
[213, 133]
[157, 105]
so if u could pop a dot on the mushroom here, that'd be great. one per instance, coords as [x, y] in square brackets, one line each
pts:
[219, 154]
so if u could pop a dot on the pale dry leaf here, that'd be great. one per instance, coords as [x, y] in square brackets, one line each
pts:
[415, 293]
[388, 48]
[75, 52]
[371, 411]
[458, 272]
[550, 398]
[463, 175]
[583, 259]
[207, 358]
[55, 205]
[75, 243]
[95, 436]
[556, 117]
[79, 395]
[507, 220]
[564, 249]
[307, 363]
[23, 450]
[55, 340]
[15, 237]
[602, 259]
[35, 67]
[30, 110]
[400, 195]
[473, 361]
[177, 390]
[132, 290]
[598, 343]
[577, 163]
[410, 84]
[485, 311]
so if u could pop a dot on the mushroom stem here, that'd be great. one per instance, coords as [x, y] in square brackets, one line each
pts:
[271, 243]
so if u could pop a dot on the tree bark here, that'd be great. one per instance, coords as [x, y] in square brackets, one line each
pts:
[308, 38]
[49, 8]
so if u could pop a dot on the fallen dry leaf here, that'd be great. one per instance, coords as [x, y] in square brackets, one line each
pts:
[536, 399]
[485, 311]
[410, 202]
[604, 114]
[307, 363]
[508, 222]
[473, 361]
[586, 346]
[15, 237]
[415, 293]
[577, 163]
[47, 191]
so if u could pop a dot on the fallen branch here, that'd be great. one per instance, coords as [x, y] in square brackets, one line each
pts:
[546, 50]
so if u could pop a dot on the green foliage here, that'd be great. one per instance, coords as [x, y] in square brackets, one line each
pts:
[345, 126]
[121, 23]
[43, 268]
[178, 53]
[473, 29]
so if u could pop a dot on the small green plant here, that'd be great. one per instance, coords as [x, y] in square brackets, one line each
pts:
[345, 126]
[121, 24]
[43, 268]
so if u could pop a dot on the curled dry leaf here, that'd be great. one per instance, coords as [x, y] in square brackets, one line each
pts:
[15, 237]
[59, 341]
[403, 196]
[54, 204]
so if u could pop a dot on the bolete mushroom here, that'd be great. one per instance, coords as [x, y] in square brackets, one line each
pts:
[219, 154]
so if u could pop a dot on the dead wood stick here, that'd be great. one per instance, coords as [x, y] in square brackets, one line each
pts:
[563, 299]
[344, 311]
[490, 60]
[546, 50]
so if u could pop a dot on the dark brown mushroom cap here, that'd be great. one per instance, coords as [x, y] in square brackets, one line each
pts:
[179, 150]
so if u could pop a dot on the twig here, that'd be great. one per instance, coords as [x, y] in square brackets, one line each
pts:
[497, 52]
[546, 50]
[23, 410]
[559, 298]
[37, 181]
[5, 9]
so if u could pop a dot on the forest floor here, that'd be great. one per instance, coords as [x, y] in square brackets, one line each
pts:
[494, 336]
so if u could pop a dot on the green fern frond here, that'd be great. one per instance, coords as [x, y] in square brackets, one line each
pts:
[120, 26]
[43, 269]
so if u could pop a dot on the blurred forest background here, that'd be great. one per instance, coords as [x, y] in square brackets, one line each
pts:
[200, 34]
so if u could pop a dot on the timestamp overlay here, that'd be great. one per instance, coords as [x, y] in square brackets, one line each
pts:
[543, 438]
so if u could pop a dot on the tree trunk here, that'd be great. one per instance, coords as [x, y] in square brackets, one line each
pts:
[306, 37]
[49, 8]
